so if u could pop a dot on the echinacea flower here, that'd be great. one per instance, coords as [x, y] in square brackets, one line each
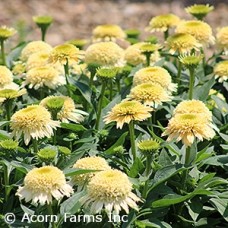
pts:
[154, 74]
[199, 29]
[199, 11]
[6, 32]
[148, 146]
[89, 163]
[151, 94]
[6, 79]
[127, 111]
[109, 190]
[106, 73]
[34, 122]
[222, 39]
[65, 53]
[43, 20]
[190, 60]
[79, 43]
[182, 43]
[163, 22]
[64, 107]
[8, 144]
[105, 54]
[187, 127]
[221, 71]
[108, 32]
[34, 47]
[194, 107]
[44, 76]
[134, 55]
[8, 94]
[37, 59]
[47, 154]
[43, 184]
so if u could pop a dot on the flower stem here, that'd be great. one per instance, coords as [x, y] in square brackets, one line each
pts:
[6, 182]
[179, 73]
[191, 83]
[166, 34]
[35, 146]
[187, 161]
[148, 59]
[66, 70]
[43, 33]
[100, 102]
[3, 53]
[132, 139]
[111, 90]
[148, 164]
[50, 212]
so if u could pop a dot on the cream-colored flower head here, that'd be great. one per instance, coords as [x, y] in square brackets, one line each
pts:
[43, 184]
[108, 32]
[199, 29]
[151, 94]
[44, 76]
[65, 53]
[6, 32]
[222, 39]
[105, 54]
[7, 94]
[66, 110]
[92, 163]
[187, 127]
[34, 122]
[34, 47]
[154, 74]
[221, 71]
[182, 43]
[163, 22]
[126, 111]
[110, 190]
[37, 59]
[134, 55]
[6, 79]
[194, 107]
[199, 11]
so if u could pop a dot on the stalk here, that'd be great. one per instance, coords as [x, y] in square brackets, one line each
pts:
[3, 53]
[100, 102]
[132, 139]
[35, 146]
[191, 83]
[66, 70]
[187, 161]
[166, 34]
[43, 33]
[50, 212]
[179, 73]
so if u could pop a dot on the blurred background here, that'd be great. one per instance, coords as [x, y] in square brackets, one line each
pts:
[75, 19]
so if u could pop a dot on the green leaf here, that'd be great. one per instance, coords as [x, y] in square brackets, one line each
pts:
[71, 205]
[136, 168]
[119, 142]
[155, 223]
[74, 172]
[165, 173]
[73, 127]
[221, 206]
[194, 208]
[201, 92]
[172, 199]
[84, 89]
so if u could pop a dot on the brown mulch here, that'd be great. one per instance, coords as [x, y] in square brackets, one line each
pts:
[76, 18]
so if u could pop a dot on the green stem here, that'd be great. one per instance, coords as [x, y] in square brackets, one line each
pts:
[6, 181]
[187, 162]
[8, 106]
[35, 146]
[148, 164]
[111, 90]
[43, 33]
[50, 212]
[132, 139]
[3, 53]
[118, 85]
[191, 83]
[100, 102]
[179, 73]
[148, 59]
[66, 70]
[166, 34]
